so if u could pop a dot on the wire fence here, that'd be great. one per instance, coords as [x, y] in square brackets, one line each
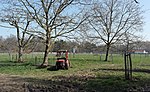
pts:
[37, 57]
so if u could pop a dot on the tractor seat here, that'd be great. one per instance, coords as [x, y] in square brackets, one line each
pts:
[61, 59]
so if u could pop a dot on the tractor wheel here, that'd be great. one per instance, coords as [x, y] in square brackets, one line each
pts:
[57, 65]
[66, 66]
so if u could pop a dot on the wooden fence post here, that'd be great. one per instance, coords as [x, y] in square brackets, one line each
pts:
[128, 66]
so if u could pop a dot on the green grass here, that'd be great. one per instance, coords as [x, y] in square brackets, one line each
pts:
[87, 72]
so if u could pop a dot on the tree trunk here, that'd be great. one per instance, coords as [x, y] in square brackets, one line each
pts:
[20, 54]
[45, 61]
[107, 52]
[47, 49]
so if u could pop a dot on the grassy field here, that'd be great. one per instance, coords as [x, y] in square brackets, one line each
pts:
[87, 73]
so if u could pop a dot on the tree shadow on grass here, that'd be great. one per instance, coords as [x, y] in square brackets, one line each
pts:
[13, 64]
[118, 84]
[113, 83]
[134, 70]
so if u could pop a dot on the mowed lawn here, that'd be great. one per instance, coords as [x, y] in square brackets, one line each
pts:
[88, 73]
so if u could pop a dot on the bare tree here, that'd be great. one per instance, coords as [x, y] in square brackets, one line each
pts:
[55, 17]
[111, 19]
[14, 15]
[136, 1]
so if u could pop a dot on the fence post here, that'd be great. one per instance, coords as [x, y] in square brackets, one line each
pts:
[35, 60]
[125, 63]
[16, 57]
[128, 66]
[100, 57]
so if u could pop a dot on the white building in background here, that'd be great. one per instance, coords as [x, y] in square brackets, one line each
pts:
[140, 52]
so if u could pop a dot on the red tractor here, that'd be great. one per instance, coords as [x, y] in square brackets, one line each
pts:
[62, 61]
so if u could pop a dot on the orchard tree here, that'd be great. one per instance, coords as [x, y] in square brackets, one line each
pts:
[13, 16]
[55, 17]
[111, 19]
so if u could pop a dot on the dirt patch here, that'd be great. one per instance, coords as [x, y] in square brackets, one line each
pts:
[10, 83]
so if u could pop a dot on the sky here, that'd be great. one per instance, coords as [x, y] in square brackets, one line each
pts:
[146, 28]
[145, 4]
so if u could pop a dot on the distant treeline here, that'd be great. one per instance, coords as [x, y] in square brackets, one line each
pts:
[9, 44]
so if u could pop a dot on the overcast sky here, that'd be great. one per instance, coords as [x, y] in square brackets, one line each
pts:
[145, 4]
